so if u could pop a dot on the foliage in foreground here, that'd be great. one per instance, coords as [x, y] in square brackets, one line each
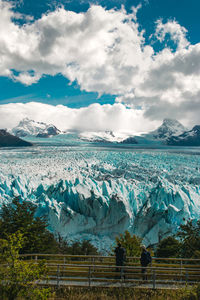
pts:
[189, 235]
[18, 278]
[76, 247]
[186, 243]
[131, 243]
[168, 247]
[19, 216]
[16, 216]
[75, 293]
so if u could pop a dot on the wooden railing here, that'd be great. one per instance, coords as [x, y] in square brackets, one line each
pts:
[101, 270]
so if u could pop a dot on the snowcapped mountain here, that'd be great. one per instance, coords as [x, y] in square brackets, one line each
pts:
[169, 127]
[9, 140]
[188, 138]
[107, 137]
[31, 127]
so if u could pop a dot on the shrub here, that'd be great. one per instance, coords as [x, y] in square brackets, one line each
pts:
[18, 278]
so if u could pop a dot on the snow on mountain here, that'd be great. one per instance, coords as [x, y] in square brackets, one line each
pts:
[168, 128]
[30, 127]
[188, 138]
[97, 195]
[104, 136]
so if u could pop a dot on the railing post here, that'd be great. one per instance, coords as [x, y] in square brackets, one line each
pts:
[36, 258]
[58, 275]
[154, 279]
[89, 276]
[93, 260]
[186, 277]
[181, 269]
[121, 270]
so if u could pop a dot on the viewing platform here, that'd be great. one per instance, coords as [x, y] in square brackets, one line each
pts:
[100, 271]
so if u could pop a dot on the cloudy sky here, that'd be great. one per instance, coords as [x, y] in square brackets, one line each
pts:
[100, 65]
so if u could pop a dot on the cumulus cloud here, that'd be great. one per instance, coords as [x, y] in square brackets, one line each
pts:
[102, 49]
[176, 31]
[105, 51]
[95, 117]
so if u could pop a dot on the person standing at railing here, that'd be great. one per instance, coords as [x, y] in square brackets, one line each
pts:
[120, 256]
[145, 259]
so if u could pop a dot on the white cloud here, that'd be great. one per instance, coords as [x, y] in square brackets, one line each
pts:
[95, 117]
[105, 51]
[102, 49]
[176, 31]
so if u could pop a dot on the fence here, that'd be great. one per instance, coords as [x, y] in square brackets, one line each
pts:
[83, 270]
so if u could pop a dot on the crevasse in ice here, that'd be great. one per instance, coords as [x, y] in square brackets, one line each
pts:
[92, 194]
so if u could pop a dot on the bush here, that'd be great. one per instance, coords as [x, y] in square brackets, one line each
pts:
[189, 235]
[18, 278]
[17, 216]
[132, 244]
[168, 247]
[76, 248]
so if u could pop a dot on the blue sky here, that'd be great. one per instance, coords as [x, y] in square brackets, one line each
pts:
[149, 77]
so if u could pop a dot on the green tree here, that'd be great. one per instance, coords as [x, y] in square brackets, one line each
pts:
[132, 244]
[83, 248]
[17, 216]
[76, 248]
[168, 247]
[189, 235]
[17, 277]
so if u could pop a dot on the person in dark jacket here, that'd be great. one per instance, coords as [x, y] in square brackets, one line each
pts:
[120, 256]
[145, 259]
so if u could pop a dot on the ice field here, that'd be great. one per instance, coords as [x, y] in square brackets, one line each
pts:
[98, 192]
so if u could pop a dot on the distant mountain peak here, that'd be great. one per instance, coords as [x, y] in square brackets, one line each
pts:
[168, 128]
[168, 121]
[30, 127]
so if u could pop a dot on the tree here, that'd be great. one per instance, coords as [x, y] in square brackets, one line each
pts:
[168, 247]
[17, 216]
[189, 235]
[76, 248]
[132, 244]
[17, 277]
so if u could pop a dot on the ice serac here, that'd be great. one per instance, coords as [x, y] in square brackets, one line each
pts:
[99, 194]
[28, 127]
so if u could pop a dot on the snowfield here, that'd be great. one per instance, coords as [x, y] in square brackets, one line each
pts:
[98, 193]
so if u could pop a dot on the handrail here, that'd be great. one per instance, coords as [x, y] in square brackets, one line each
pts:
[97, 270]
[97, 275]
[106, 257]
[122, 267]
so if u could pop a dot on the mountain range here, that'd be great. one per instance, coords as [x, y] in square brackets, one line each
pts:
[170, 132]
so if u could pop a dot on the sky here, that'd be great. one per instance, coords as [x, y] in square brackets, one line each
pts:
[121, 65]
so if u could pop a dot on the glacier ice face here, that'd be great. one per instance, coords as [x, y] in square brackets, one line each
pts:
[99, 193]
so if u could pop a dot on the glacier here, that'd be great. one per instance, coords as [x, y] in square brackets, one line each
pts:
[98, 192]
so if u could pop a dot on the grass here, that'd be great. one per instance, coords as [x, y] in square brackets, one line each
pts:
[75, 293]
